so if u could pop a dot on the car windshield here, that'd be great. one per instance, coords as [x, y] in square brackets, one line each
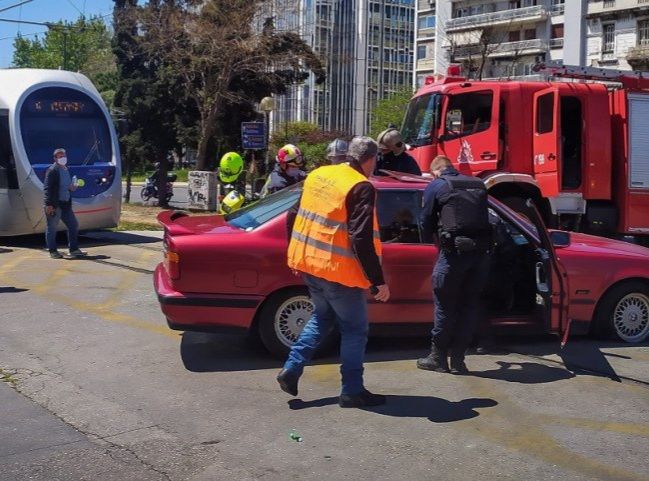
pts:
[268, 208]
[421, 120]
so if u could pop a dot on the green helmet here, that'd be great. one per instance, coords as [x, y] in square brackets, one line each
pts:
[230, 167]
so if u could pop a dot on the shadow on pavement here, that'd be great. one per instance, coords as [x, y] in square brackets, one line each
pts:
[106, 237]
[11, 289]
[88, 257]
[525, 373]
[436, 409]
[581, 356]
[5, 251]
[211, 352]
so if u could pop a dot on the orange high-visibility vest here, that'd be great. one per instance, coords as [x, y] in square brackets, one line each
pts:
[320, 244]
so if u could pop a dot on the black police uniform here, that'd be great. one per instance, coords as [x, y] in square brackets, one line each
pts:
[456, 206]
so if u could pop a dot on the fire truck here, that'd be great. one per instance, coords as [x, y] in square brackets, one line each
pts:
[577, 144]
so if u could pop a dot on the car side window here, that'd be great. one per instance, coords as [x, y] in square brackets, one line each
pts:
[398, 212]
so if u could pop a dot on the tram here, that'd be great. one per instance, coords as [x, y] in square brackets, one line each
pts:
[41, 110]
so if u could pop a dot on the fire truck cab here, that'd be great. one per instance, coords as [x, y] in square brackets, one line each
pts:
[579, 149]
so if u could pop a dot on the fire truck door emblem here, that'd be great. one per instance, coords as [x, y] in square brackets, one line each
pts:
[465, 155]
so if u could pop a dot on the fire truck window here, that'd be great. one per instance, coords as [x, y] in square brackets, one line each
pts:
[545, 113]
[469, 113]
[571, 143]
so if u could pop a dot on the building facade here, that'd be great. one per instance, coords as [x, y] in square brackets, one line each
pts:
[367, 47]
[505, 38]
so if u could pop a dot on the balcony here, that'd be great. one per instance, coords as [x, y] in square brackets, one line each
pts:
[506, 49]
[425, 64]
[509, 17]
[556, 42]
[638, 57]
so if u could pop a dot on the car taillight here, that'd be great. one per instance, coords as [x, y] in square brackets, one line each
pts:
[171, 261]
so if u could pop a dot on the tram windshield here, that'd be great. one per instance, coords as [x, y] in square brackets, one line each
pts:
[59, 117]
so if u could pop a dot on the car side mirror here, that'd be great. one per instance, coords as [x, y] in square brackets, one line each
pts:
[560, 238]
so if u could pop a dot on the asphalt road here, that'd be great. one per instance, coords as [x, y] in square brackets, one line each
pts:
[179, 200]
[96, 387]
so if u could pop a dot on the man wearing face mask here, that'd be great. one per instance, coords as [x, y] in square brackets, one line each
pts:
[393, 154]
[287, 171]
[58, 186]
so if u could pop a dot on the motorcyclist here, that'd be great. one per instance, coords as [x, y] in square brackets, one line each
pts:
[287, 171]
[233, 187]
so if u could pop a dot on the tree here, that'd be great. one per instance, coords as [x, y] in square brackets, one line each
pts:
[83, 46]
[389, 111]
[148, 94]
[221, 59]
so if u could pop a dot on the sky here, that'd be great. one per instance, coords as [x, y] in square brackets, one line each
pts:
[43, 11]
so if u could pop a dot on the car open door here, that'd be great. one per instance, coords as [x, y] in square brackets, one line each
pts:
[551, 281]
[547, 141]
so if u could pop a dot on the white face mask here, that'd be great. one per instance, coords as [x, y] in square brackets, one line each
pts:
[293, 171]
[62, 160]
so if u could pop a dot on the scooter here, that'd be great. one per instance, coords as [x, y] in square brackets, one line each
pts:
[150, 189]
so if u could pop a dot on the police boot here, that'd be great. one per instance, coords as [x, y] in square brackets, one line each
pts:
[458, 365]
[436, 360]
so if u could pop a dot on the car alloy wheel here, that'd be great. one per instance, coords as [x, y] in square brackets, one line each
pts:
[631, 317]
[291, 317]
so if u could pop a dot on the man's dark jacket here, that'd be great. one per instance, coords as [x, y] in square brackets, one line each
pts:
[404, 162]
[51, 187]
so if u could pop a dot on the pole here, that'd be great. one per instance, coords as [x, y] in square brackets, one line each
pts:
[65, 49]
[267, 132]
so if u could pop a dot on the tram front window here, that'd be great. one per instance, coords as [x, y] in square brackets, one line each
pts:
[54, 117]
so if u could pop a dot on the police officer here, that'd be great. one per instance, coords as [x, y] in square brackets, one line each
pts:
[456, 205]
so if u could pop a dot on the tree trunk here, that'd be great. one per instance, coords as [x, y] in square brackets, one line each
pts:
[207, 130]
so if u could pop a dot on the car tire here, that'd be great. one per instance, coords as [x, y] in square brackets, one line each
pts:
[283, 317]
[623, 313]
[144, 194]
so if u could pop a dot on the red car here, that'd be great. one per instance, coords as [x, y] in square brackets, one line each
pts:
[230, 272]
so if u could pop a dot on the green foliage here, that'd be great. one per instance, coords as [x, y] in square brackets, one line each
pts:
[308, 137]
[389, 110]
[83, 46]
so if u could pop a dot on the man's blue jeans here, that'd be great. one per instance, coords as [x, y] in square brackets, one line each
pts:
[63, 212]
[334, 303]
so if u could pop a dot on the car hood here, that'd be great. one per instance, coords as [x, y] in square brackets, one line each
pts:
[601, 245]
[180, 223]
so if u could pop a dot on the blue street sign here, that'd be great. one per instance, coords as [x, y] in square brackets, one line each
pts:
[253, 135]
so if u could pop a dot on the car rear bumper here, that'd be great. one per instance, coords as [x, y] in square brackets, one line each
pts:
[203, 312]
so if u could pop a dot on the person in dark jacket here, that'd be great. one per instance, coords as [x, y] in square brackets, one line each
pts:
[393, 154]
[287, 171]
[455, 207]
[58, 186]
[338, 268]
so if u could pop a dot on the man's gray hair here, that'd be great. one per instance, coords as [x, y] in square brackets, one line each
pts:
[362, 149]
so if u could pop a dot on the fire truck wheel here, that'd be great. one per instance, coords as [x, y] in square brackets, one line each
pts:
[623, 313]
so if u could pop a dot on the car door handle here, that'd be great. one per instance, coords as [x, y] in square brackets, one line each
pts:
[552, 156]
[486, 155]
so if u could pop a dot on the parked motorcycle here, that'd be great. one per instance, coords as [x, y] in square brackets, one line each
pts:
[150, 189]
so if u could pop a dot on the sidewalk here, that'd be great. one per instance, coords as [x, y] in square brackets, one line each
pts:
[140, 184]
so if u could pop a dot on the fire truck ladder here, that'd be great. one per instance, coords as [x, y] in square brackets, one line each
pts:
[628, 79]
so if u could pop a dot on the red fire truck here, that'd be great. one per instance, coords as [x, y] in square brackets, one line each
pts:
[577, 145]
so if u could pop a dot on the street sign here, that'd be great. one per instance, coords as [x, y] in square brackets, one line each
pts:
[253, 135]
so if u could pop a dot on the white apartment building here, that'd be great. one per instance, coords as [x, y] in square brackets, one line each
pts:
[505, 38]
[367, 48]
